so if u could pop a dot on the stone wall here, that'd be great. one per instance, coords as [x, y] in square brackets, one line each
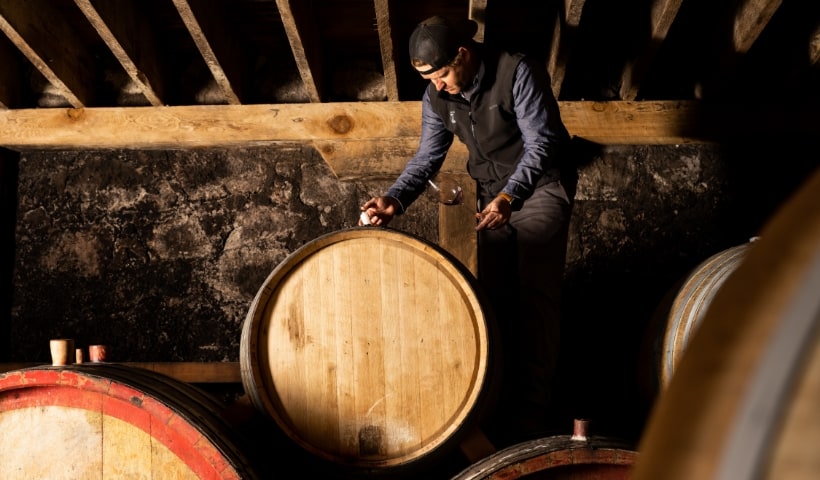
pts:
[159, 254]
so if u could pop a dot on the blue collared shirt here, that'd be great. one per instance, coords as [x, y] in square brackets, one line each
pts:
[537, 117]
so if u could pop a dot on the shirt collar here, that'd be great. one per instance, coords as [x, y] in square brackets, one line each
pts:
[468, 92]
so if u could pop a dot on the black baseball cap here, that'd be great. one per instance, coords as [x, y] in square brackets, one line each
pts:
[435, 41]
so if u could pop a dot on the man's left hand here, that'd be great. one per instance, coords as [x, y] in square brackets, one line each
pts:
[495, 215]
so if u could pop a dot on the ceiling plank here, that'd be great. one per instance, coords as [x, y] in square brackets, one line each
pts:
[563, 40]
[206, 24]
[387, 48]
[478, 14]
[746, 21]
[126, 31]
[662, 14]
[50, 44]
[303, 35]
[646, 122]
[750, 20]
[10, 75]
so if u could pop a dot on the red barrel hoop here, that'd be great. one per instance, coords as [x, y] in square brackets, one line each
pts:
[113, 421]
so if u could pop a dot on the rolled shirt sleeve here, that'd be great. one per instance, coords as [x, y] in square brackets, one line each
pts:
[434, 143]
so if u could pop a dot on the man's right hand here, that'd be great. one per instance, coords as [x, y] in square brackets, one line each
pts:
[380, 210]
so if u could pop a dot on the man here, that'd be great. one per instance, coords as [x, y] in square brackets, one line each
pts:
[501, 106]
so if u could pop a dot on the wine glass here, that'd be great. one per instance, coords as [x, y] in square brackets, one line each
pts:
[445, 189]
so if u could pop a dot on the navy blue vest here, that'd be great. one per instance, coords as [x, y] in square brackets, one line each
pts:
[487, 125]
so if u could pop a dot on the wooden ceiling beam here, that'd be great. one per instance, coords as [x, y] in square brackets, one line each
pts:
[305, 41]
[646, 122]
[750, 19]
[206, 22]
[478, 14]
[127, 33]
[564, 33]
[384, 26]
[662, 14]
[745, 20]
[54, 48]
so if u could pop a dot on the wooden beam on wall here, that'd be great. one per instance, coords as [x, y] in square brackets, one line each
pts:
[624, 123]
[379, 158]
[456, 225]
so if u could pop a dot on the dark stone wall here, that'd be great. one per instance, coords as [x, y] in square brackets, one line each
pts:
[645, 218]
[159, 254]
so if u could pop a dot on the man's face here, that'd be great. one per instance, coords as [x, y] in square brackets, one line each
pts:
[451, 78]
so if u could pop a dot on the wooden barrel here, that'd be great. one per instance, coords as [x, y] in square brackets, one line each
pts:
[681, 312]
[743, 401]
[101, 421]
[577, 456]
[370, 348]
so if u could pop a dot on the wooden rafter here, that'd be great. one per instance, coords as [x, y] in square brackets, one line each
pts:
[478, 10]
[303, 36]
[388, 50]
[750, 20]
[126, 33]
[51, 45]
[207, 26]
[563, 39]
[663, 13]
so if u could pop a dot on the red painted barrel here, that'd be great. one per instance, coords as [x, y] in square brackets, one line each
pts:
[370, 348]
[102, 421]
[578, 457]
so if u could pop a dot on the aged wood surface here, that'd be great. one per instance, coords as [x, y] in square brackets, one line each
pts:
[205, 22]
[303, 35]
[456, 225]
[663, 14]
[387, 48]
[224, 125]
[367, 345]
[564, 34]
[108, 421]
[125, 30]
[53, 47]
